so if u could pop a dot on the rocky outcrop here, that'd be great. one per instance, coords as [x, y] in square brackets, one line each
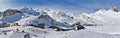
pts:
[77, 26]
[114, 9]
[11, 16]
[10, 12]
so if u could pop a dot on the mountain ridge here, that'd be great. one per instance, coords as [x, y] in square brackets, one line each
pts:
[31, 24]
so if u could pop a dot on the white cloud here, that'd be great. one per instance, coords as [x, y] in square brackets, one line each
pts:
[5, 4]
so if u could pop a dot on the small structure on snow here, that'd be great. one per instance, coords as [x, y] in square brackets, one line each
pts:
[58, 28]
[55, 27]
[15, 24]
[77, 26]
[42, 26]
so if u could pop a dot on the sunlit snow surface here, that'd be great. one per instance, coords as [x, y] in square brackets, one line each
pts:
[107, 25]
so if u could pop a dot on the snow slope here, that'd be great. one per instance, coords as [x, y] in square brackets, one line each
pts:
[12, 32]
[107, 24]
[60, 16]
[107, 20]
[29, 11]
[12, 18]
[41, 19]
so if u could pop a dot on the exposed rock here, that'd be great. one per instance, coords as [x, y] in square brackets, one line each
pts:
[89, 24]
[77, 26]
[44, 16]
[53, 27]
[42, 26]
[58, 28]
[11, 12]
[114, 9]
[27, 36]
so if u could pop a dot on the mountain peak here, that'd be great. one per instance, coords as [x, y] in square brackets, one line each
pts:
[113, 8]
[102, 10]
[11, 12]
[26, 9]
[29, 11]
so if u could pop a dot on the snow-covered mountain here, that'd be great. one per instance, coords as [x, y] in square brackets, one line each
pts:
[60, 16]
[29, 11]
[101, 24]
[11, 15]
[102, 16]
[41, 19]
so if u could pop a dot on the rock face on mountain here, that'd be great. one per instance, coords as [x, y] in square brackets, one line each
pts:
[11, 12]
[10, 16]
[114, 9]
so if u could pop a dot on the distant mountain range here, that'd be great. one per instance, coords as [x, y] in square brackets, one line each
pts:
[29, 23]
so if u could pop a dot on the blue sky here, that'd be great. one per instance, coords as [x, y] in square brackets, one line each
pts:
[79, 5]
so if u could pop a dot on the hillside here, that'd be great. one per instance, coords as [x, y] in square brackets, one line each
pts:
[29, 23]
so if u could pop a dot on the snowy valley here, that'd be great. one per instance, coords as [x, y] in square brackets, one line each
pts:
[49, 23]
